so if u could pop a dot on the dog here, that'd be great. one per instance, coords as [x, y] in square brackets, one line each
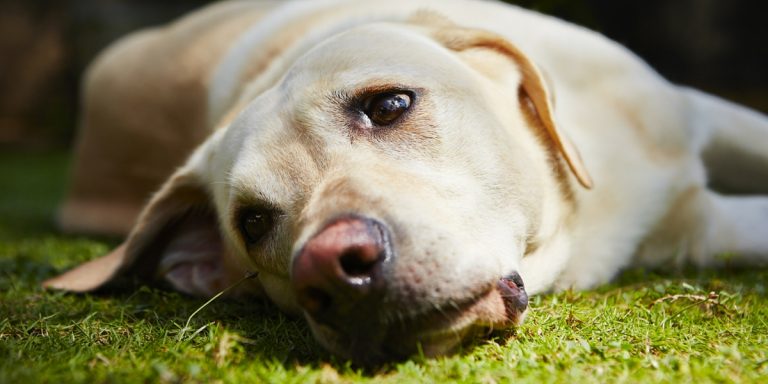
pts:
[393, 171]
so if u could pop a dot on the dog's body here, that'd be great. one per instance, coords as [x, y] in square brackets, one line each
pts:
[476, 177]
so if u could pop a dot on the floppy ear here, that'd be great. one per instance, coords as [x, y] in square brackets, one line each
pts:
[533, 88]
[176, 240]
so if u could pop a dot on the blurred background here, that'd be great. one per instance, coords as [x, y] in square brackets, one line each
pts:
[715, 45]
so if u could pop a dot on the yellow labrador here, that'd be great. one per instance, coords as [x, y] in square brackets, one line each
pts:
[394, 170]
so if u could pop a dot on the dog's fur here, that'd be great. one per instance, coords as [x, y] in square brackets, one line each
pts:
[479, 179]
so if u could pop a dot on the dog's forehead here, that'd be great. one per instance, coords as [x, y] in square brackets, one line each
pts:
[394, 52]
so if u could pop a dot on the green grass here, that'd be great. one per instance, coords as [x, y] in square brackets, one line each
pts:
[643, 328]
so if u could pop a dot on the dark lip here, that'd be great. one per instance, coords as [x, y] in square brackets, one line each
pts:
[514, 296]
[401, 338]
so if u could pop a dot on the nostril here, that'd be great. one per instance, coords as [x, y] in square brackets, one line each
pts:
[358, 263]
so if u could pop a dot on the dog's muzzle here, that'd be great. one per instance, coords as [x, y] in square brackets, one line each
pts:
[340, 279]
[338, 276]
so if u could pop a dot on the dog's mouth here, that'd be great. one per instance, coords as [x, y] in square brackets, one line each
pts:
[439, 331]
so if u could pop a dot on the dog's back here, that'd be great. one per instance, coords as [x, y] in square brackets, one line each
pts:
[144, 111]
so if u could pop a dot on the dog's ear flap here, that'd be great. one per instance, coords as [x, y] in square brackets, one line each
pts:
[533, 93]
[176, 240]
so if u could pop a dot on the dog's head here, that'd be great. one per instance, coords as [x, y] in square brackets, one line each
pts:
[387, 188]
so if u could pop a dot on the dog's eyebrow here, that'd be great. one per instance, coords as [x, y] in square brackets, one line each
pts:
[341, 95]
[246, 195]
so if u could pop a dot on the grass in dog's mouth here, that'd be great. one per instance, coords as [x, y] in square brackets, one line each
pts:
[646, 327]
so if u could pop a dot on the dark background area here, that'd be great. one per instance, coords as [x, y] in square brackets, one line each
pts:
[715, 45]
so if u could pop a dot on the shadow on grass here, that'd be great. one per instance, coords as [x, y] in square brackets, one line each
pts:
[31, 185]
[277, 337]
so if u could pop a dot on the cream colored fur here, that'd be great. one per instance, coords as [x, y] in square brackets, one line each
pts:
[481, 179]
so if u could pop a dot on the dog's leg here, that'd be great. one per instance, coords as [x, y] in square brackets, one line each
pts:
[735, 145]
[734, 230]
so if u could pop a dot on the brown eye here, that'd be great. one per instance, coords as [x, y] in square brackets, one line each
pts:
[255, 224]
[385, 108]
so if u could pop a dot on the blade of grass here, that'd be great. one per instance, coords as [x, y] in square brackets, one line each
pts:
[180, 337]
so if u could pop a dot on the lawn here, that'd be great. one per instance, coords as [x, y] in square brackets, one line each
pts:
[679, 326]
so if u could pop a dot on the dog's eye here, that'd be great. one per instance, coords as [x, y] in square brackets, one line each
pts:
[255, 224]
[385, 108]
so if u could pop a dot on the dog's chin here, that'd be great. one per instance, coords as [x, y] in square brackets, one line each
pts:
[435, 333]
[395, 347]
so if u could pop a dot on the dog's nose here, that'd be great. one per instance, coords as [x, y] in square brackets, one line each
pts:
[337, 275]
